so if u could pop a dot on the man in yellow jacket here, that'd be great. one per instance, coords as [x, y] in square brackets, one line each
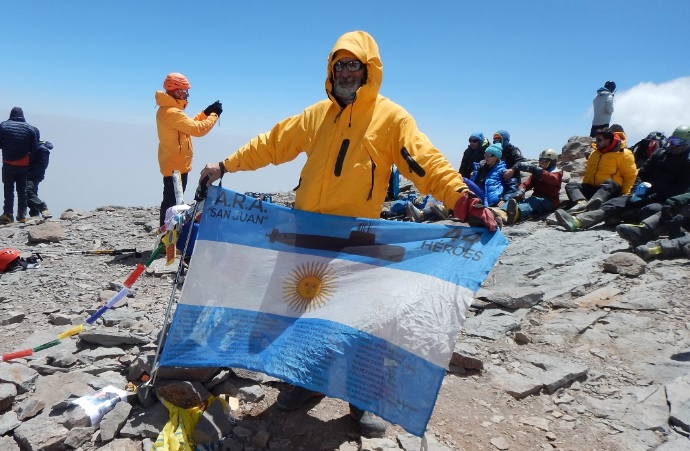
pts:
[610, 172]
[352, 140]
[175, 130]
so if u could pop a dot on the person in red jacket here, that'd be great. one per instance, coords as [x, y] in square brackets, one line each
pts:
[545, 179]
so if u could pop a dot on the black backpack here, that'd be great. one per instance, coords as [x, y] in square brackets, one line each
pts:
[647, 146]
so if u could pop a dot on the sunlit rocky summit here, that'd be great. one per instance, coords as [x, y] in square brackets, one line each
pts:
[572, 343]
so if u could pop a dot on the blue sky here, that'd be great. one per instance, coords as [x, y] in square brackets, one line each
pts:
[85, 74]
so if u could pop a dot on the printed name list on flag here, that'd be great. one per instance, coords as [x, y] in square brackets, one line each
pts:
[363, 310]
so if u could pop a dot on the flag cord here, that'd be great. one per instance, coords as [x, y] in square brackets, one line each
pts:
[161, 339]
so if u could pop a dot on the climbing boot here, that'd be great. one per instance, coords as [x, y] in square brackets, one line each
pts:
[440, 210]
[46, 214]
[568, 222]
[590, 218]
[686, 249]
[635, 234]
[513, 212]
[414, 213]
[294, 397]
[579, 207]
[6, 219]
[370, 425]
[648, 252]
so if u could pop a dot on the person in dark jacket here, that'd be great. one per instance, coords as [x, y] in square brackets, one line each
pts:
[473, 154]
[18, 140]
[38, 163]
[511, 155]
[667, 172]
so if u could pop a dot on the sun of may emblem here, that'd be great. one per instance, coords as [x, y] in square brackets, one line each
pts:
[309, 286]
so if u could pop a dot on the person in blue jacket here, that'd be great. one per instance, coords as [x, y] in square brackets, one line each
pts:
[18, 140]
[487, 181]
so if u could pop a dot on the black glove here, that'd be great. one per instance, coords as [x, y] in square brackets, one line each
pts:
[524, 167]
[215, 107]
[667, 212]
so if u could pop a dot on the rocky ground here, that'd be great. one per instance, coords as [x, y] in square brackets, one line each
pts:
[572, 343]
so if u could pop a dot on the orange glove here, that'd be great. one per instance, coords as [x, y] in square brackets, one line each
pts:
[469, 209]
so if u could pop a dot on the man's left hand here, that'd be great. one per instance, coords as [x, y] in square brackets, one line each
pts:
[508, 174]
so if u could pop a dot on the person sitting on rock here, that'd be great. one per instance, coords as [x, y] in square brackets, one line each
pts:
[610, 172]
[671, 217]
[511, 156]
[473, 154]
[667, 172]
[488, 183]
[545, 179]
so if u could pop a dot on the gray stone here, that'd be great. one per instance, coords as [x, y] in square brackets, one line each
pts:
[516, 297]
[121, 444]
[47, 232]
[113, 421]
[492, 324]
[678, 396]
[105, 336]
[625, 264]
[11, 318]
[18, 374]
[215, 423]
[651, 410]
[30, 408]
[8, 444]
[145, 422]
[7, 394]
[466, 356]
[40, 434]
[59, 387]
[8, 422]
[252, 393]
[78, 436]
[409, 442]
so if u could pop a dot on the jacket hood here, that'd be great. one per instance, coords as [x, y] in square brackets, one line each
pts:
[505, 137]
[363, 46]
[163, 99]
[17, 114]
[479, 136]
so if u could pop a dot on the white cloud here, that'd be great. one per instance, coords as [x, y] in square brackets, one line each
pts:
[649, 107]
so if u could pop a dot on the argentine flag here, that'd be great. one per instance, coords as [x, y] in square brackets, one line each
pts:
[363, 310]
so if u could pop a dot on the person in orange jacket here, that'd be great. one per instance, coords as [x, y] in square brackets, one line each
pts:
[175, 130]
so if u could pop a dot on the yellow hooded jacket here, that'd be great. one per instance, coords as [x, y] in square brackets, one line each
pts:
[617, 164]
[351, 150]
[175, 130]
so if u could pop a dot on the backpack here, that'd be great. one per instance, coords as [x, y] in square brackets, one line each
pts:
[647, 146]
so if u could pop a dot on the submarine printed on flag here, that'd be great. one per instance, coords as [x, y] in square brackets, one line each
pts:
[360, 309]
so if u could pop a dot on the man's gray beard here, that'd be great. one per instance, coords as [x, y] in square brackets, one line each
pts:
[345, 94]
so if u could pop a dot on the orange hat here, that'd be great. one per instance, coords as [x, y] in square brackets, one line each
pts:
[175, 81]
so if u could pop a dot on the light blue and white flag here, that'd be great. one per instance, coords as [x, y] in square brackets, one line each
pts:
[363, 310]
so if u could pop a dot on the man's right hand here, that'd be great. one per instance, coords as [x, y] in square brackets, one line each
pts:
[212, 170]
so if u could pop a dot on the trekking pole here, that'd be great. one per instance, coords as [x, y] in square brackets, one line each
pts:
[199, 197]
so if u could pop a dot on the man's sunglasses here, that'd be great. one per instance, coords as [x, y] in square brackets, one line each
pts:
[677, 141]
[474, 140]
[352, 66]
